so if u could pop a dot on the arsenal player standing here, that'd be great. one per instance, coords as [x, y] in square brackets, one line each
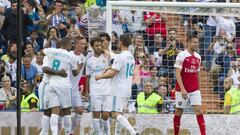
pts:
[187, 87]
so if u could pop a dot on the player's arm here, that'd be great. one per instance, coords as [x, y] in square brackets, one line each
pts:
[50, 71]
[109, 74]
[227, 104]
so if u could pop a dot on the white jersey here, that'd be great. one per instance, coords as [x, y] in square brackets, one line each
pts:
[96, 66]
[75, 79]
[122, 83]
[59, 59]
[45, 64]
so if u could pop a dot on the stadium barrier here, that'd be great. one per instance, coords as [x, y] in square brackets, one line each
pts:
[158, 124]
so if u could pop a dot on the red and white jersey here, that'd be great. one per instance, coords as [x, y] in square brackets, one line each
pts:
[190, 65]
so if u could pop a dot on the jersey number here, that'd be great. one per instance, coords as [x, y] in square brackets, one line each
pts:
[56, 65]
[129, 71]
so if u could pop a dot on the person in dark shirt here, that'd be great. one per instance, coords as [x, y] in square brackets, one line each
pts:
[10, 23]
[169, 53]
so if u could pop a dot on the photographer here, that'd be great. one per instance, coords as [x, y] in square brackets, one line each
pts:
[29, 102]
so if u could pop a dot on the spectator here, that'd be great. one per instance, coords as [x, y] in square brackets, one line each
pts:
[3, 72]
[224, 60]
[29, 101]
[137, 41]
[114, 40]
[33, 40]
[29, 71]
[216, 47]
[169, 53]
[11, 68]
[228, 24]
[153, 77]
[30, 52]
[12, 48]
[82, 20]
[52, 38]
[8, 94]
[236, 74]
[9, 27]
[167, 106]
[56, 17]
[140, 55]
[155, 58]
[118, 20]
[30, 5]
[155, 23]
[148, 101]
[134, 21]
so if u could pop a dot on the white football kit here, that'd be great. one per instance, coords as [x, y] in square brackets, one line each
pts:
[59, 93]
[100, 91]
[122, 83]
[76, 96]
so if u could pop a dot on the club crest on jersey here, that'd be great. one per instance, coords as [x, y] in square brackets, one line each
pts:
[104, 61]
[179, 103]
[193, 61]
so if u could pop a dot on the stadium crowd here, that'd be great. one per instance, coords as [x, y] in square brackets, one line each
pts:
[154, 46]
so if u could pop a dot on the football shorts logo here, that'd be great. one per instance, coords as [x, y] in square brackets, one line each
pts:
[179, 103]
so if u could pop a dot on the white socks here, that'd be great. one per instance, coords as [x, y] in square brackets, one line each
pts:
[45, 125]
[124, 123]
[106, 126]
[67, 124]
[75, 122]
[60, 123]
[54, 124]
[96, 127]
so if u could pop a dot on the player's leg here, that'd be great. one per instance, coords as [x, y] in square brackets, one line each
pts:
[106, 109]
[96, 111]
[119, 104]
[180, 105]
[46, 112]
[65, 97]
[195, 100]
[53, 102]
[76, 118]
[67, 120]
[45, 123]
[78, 108]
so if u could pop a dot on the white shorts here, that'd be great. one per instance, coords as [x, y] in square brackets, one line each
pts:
[42, 89]
[58, 96]
[100, 103]
[119, 103]
[194, 98]
[76, 98]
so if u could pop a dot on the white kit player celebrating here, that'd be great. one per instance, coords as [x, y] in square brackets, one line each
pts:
[59, 92]
[187, 66]
[80, 44]
[121, 74]
[100, 91]
[43, 87]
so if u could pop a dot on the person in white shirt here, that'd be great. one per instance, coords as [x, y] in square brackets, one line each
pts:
[100, 91]
[59, 91]
[121, 73]
[80, 44]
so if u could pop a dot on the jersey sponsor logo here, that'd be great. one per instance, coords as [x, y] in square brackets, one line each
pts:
[187, 70]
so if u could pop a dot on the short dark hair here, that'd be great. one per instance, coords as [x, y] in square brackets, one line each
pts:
[126, 40]
[65, 41]
[104, 34]
[95, 39]
[190, 37]
[172, 29]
